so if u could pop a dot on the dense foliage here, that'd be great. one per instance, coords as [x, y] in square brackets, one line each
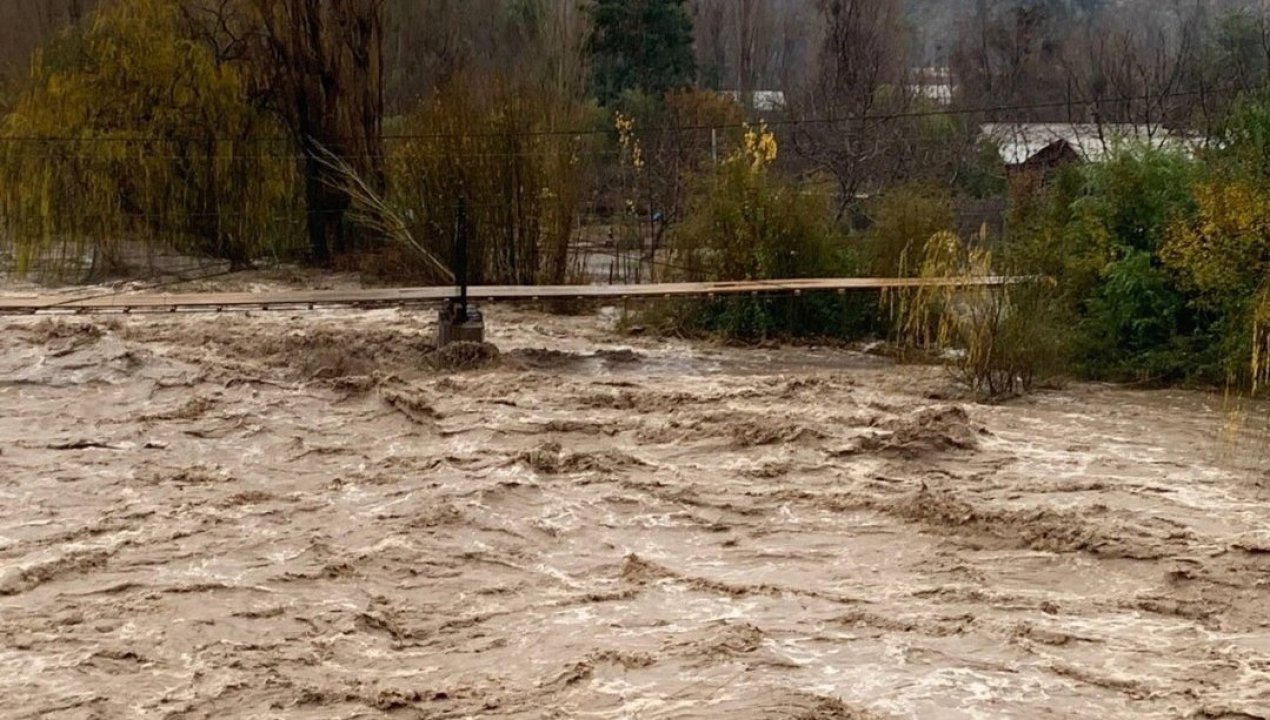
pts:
[641, 45]
[206, 180]
[498, 159]
[1161, 259]
[747, 222]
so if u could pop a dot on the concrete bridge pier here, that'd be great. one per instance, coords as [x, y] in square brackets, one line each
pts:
[459, 321]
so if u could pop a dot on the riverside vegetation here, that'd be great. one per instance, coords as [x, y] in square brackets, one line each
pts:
[196, 128]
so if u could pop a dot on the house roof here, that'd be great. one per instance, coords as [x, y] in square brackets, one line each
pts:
[1019, 142]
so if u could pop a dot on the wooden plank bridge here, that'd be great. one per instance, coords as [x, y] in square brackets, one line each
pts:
[150, 302]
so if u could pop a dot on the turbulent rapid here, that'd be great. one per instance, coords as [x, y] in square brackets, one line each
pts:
[311, 516]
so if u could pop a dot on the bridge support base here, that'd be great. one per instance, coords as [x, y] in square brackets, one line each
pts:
[459, 322]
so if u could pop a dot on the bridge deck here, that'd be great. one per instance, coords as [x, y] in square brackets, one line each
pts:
[213, 302]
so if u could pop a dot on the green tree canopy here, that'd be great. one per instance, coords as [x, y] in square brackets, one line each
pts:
[642, 45]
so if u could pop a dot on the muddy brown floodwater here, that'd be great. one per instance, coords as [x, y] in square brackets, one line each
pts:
[277, 516]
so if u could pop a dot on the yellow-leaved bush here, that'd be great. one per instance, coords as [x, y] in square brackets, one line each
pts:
[747, 221]
[1225, 250]
[1222, 256]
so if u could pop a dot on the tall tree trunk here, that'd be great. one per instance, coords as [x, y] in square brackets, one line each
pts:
[329, 75]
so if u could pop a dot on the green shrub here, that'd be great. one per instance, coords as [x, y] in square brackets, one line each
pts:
[1131, 324]
[746, 222]
[1098, 231]
[903, 219]
[1243, 148]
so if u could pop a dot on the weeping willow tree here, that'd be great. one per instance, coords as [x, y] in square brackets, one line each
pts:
[134, 129]
[1000, 340]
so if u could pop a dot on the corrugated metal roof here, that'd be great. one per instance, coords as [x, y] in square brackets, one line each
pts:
[1019, 142]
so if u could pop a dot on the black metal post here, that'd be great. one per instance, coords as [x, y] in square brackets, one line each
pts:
[460, 256]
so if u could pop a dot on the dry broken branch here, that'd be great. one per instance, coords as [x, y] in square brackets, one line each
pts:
[372, 211]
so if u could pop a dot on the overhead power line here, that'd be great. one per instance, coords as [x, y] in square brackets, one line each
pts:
[695, 127]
